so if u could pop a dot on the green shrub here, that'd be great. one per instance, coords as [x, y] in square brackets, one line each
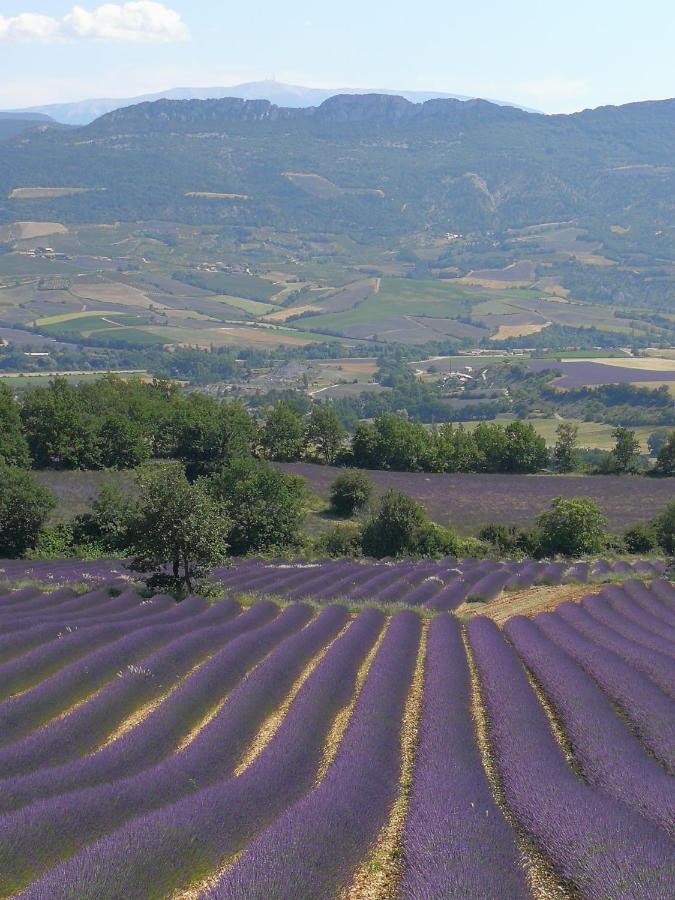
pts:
[350, 492]
[573, 527]
[641, 538]
[665, 529]
[401, 527]
[342, 540]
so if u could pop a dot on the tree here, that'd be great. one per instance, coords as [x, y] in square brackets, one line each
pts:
[365, 446]
[210, 434]
[665, 461]
[665, 529]
[625, 457]
[524, 450]
[283, 435]
[265, 506]
[657, 439]
[325, 432]
[401, 526]
[13, 445]
[24, 507]
[565, 452]
[60, 432]
[107, 523]
[351, 491]
[177, 530]
[122, 444]
[573, 527]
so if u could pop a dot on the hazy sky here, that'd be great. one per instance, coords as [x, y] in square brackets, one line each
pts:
[557, 57]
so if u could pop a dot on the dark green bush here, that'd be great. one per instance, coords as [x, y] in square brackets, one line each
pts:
[350, 492]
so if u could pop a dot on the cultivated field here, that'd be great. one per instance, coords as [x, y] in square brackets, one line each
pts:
[469, 501]
[150, 749]
[583, 373]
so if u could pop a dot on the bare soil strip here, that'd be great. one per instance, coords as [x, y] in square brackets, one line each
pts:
[528, 603]
[543, 881]
[142, 713]
[271, 724]
[379, 875]
[342, 719]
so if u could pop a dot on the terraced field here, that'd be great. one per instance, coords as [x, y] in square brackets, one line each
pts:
[150, 749]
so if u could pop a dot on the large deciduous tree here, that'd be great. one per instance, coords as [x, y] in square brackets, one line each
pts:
[283, 435]
[325, 432]
[565, 451]
[177, 530]
[265, 506]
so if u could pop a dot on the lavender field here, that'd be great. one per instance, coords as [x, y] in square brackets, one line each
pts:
[439, 585]
[150, 749]
[584, 373]
[468, 501]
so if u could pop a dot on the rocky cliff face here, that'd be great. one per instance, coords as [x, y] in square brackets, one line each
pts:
[375, 109]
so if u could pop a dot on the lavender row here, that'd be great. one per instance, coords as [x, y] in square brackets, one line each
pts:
[80, 605]
[650, 712]
[609, 755]
[86, 728]
[159, 851]
[21, 714]
[614, 609]
[132, 606]
[13, 643]
[313, 849]
[457, 843]
[599, 845]
[60, 825]
[648, 599]
[44, 660]
[659, 667]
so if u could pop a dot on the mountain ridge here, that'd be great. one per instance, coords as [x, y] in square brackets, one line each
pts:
[289, 95]
[366, 164]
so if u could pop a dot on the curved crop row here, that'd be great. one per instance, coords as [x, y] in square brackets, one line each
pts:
[659, 667]
[88, 727]
[649, 710]
[59, 825]
[314, 847]
[599, 845]
[609, 755]
[157, 852]
[456, 842]
[21, 715]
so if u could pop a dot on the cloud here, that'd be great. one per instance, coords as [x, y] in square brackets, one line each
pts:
[137, 21]
[29, 27]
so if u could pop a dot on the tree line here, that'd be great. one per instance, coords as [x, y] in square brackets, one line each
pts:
[121, 424]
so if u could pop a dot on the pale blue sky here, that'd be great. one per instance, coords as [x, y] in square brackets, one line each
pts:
[555, 57]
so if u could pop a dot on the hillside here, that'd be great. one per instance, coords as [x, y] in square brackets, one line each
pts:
[378, 166]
